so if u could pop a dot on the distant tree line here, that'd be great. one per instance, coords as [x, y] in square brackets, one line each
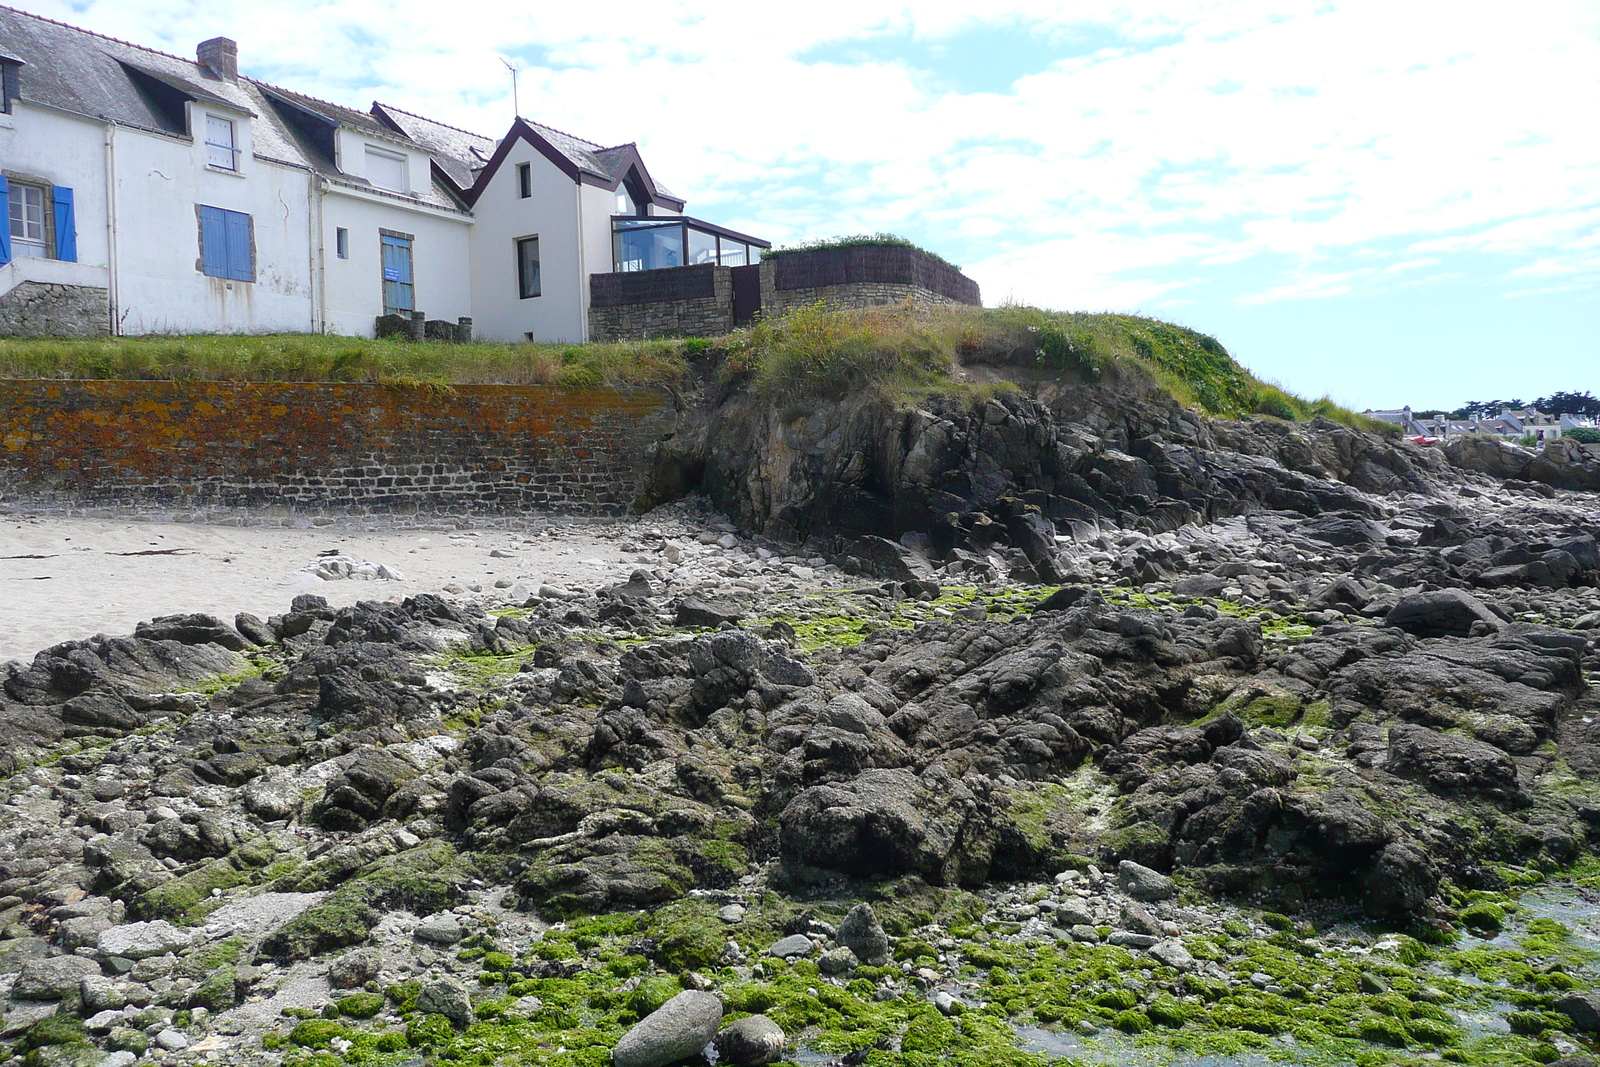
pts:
[1563, 403]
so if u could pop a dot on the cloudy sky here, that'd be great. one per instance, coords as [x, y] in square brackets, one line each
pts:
[1390, 201]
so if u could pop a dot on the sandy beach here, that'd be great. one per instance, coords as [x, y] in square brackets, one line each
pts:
[63, 578]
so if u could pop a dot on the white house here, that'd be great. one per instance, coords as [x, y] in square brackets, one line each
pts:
[149, 193]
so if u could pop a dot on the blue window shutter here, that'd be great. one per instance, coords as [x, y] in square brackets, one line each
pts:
[66, 225]
[5, 230]
[239, 266]
[213, 243]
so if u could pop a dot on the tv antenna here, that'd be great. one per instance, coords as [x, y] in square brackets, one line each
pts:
[513, 68]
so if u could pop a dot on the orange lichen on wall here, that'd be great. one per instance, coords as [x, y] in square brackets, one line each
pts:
[326, 444]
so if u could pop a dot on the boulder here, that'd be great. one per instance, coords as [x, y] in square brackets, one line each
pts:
[1451, 765]
[1172, 953]
[355, 968]
[1142, 883]
[891, 821]
[838, 961]
[137, 941]
[679, 1029]
[442, 929]
[861, 933]
[1400, 881]
[693, 612]
[792, 946]
[1583, 1009]
[447, 998]
[1441, 613]
[751, 1042]
[195, 629]
[53, 978]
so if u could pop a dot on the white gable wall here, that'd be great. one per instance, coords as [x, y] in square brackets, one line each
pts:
[160, 184]
[559, 313]
[354, 286]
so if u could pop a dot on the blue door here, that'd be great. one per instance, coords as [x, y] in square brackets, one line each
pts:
[399, 297]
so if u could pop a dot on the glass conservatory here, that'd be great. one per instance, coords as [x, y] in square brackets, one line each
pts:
[657, 241]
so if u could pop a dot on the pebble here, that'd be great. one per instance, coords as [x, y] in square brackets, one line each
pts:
[441, 930]
[791, 946]
[172, 1040]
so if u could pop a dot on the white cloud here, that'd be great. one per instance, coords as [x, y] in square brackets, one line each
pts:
[1207, 135]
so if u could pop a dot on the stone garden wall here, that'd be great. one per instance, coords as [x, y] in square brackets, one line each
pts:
[352, 446]
[676, 302]
[46, 309]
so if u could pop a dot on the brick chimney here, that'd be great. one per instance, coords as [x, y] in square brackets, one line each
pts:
[221, 54]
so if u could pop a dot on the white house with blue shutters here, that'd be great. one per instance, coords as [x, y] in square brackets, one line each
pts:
[149, 193]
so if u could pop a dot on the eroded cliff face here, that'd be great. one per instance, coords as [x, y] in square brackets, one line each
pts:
[1080, 458]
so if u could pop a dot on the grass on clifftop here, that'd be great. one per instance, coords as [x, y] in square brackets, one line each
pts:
[818, 352]
[811, 353]
[315, 358]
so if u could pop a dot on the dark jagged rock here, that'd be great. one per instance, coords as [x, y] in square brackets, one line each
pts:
[1442, 613]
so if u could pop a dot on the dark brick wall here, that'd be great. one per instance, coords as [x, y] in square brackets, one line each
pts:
[652, 286]
[318, 445]
[871, 264]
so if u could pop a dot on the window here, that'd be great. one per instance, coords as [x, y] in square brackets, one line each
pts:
[732, 253]
[27, 220]
[625, 204]
[702, 247]
[341, 242]
[226, 245]
[399, 294]
[40, 221]
[387, 170]
[9, 88]
[528, 267]
[524, 180]
[220, 150]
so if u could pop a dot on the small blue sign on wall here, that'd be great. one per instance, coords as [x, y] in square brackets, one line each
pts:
[391, 274]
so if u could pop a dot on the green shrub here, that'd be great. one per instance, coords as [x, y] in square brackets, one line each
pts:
[651, 993]
[1583, 435]
[1117, 999]
[316, 1033]
[1167, 1011]
[360, 1005]
[1536, 1022]
[859, 240]
[53, 1030]
[1484, 916]
[429, 1030]
[1131, 1022]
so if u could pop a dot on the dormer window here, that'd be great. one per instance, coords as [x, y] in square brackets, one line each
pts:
[221, 151]
[625, 204]
[10, 89]
[387, 170]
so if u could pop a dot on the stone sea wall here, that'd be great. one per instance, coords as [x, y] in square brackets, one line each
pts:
[356, 446]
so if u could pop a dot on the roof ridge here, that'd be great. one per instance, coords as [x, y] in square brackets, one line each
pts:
[436, 122]
[563, 133]
[625, 144]
[180, 59]
[102, 36]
